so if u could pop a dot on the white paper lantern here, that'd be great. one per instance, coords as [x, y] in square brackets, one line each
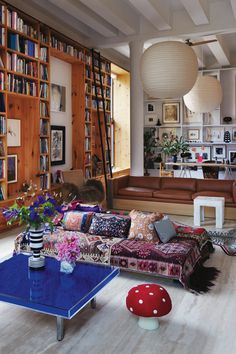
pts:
[168, 69]
[205, 96]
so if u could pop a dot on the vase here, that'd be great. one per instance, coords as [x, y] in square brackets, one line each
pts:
[36, 261]
[67, 267]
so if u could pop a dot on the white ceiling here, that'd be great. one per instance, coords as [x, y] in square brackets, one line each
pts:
[109, 25]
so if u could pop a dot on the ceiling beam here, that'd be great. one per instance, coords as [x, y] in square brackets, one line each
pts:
[78, 11]
[150, 12]
[219, 50]
[196, 11]
[200, 57]
[117, 13]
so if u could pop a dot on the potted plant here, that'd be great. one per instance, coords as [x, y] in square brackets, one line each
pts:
[35, 216]
[150, 142]
[172, 146]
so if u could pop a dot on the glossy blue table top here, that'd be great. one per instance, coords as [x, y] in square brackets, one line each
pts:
[48, 290]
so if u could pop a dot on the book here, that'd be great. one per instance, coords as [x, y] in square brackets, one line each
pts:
[2, 150]
[2, 103]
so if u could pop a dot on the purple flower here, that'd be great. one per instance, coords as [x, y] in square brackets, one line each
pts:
[48, 211]
[34, 216]
[41, 199]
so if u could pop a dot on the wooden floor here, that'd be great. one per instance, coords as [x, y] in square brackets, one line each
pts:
[203, 324]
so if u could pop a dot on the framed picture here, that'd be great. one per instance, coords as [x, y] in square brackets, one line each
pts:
[204, 152]
[234, 134]
[218, 151]
[58, 144]
[191, 117]
[232, 157]
[193, 134]
[215, 134]
[58, 98]
[151, 108]
[150, 119]
[12, 168]
[170, 112]
[13, 132]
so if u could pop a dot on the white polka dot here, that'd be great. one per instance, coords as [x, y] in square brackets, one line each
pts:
[161, 289]
[147, 286]
[140, 301]
[151, 294]
[137, 291]
[164, 300]
[154, 312]
[131, 309]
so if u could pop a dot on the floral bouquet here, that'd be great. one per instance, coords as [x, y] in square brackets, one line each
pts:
[40, 212]
[68, 251]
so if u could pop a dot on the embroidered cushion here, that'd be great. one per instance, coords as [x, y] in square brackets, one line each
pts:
[77, 220]
[142, 226]
[110, 225]
[165, 229]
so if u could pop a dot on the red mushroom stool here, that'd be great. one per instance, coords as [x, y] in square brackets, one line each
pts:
[148, 301]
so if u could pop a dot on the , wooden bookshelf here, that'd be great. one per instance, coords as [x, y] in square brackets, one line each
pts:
[26, 46]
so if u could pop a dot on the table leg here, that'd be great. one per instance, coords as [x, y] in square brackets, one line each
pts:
[93, 303]
[60, 328]
[202, 215]
[197, 218]
[219, 217]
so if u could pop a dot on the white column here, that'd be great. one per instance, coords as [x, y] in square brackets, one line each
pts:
[136, 109]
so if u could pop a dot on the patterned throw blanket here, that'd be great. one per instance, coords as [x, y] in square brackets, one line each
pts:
[176, 259]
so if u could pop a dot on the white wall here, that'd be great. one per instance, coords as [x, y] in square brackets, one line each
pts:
[61, 75]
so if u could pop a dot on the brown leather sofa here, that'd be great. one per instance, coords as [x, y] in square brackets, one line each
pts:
[179, 191]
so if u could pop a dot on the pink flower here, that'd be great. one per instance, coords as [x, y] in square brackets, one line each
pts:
[68, 248]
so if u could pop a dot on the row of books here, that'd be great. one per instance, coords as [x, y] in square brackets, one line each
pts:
[88, 73]
[2, 149]
[87, 88]
[87, 173]
[44, 54]
[67, 48]
[2, 169]
[105, 67]
[2, 102]
[44, 181]
[87, 116]
[2, 36]
[44, 127]
[21, 65]
[3, 125]
[1, 193]
[43, 146]
[17, 23]
[21, 85]
[43, 72]
[2, 14]
[106, 92]
[87, 159]
[43, 108]
[44, 163]
[20, 44]
[87, 102]
[44, 90]
[2, 80]
[87, 144]
[87, 130]
[43, 38]
[100, 105]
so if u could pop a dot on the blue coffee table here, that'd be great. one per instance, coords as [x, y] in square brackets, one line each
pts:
[50, 291]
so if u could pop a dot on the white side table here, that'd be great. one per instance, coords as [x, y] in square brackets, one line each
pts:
[215, 202]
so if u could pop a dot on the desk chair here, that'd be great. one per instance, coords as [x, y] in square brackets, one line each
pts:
[210, 172]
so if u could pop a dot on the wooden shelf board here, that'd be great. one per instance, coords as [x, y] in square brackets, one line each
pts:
[22, 34]
[64, 56]
[23, 95]
[22, 54]
[23, 75]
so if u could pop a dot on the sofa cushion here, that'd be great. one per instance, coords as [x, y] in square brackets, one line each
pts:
[110, 225]
[178, 183]
[178, 194]
[136, 191]
[228, 197]
[215, 185]
[77, 220]
[145, 182]
[165, 229]
[142, 226]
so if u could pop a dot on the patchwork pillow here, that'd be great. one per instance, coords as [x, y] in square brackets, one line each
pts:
[77, 220]
[142, 226]
[110, 225]
[165, 229]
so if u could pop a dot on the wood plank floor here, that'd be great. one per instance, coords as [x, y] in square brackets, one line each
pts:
[197, 324]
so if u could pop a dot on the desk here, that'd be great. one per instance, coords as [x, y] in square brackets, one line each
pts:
[186, 165]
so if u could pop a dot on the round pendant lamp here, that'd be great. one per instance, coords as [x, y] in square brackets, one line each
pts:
[168, 69]
[205, 96]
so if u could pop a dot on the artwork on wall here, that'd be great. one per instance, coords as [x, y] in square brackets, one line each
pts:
[193, 134]
[232, 157]
[57, 145]
[12, 168]
[58, 98]
[215, 134]
[13, 132]
[202, 152]
[151, 108]
[234, 134]
[170, 112]
[218, 151]
[150, 119]
[191, 117]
